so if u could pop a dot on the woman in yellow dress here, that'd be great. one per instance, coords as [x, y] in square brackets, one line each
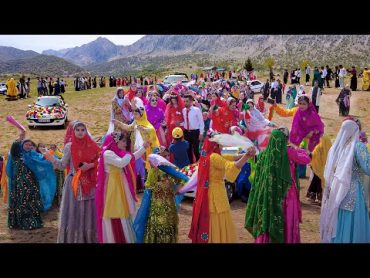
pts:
[212, 221]
[12, 91]
[143, 128]
[366, 79]
[115, 194]
[319, 156]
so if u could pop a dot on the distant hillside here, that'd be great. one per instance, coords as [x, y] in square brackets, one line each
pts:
[57, 53]
[158, 64]
[97, 51]
[11, 53]
[40, 65]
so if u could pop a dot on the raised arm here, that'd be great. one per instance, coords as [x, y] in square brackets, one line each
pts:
[112, 159]
[284, 112]
[124, 126]
[62, 163]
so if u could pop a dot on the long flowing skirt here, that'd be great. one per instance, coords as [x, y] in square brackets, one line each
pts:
[354, 226]
[292, 218]
[118, 199]
[24, 200]
[162, 224]
[77, 221]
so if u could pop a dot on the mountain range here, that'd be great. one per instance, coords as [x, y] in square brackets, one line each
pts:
[159, 52]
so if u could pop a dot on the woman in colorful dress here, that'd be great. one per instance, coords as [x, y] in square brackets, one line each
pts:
[58, 174]
[259, 128]
[343, 101]
[77, 220]
[306, 124]
[345, 205]
[273, 212]
[25, 169]
[115, 193]
[141, 129]
[121, 109]
[212, 221]
[173, 115]
[156, 118]
[319, 156]
[157, 219]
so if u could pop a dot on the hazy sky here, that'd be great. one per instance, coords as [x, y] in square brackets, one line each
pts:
[39, 43]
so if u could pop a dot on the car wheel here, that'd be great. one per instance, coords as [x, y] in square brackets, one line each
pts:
[230, 190]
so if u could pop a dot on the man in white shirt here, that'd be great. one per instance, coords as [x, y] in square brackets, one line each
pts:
[193, 127]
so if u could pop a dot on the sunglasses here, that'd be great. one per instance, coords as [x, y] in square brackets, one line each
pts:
[153, 100]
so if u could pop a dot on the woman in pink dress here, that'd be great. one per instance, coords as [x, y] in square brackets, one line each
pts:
[273, 213]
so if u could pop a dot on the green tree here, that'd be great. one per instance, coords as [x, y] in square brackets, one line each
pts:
[248, 65]
[269, 62]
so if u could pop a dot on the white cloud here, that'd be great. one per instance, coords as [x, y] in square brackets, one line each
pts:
[39, 43]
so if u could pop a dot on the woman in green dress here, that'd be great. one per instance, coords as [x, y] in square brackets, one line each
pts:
[25, 203]
[157, 219]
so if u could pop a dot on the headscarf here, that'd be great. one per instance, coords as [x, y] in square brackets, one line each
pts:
[338, 175]
[272, 180]
[155, 115]
[129, 170]
[180, 101]
[117, 98]
[44, 172]
[85, 150]
[305, 122]
[199, 231]
[319, 156]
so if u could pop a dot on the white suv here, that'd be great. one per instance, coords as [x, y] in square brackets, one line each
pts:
[174, 79]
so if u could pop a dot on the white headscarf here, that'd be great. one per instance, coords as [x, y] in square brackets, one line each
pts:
[119, 100]
[338, 175]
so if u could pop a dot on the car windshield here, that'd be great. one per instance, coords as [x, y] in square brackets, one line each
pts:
[48, 102]
[174, 79]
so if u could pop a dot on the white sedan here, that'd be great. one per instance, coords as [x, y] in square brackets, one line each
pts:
[48, 111]
[256, 85]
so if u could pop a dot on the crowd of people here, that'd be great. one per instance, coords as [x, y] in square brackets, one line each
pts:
[157, 134]
[45, 87]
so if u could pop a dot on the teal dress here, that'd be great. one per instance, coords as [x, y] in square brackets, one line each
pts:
[353, 225]
[25, 204]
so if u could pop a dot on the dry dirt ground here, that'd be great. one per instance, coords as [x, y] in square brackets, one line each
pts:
[93, 108]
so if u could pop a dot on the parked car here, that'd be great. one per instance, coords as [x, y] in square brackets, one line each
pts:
[174, 79]
[256, 85]
[3, 88]
[48, 111]
[230, 186]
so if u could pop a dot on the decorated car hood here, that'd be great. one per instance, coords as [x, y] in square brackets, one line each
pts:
[50, 112]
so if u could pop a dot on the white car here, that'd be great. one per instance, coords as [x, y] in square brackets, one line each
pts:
[174, 79]
[256, 85]
[48, 111]
[230, 187]
[3, 88]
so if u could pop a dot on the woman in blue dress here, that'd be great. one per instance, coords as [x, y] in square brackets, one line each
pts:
[345, 211]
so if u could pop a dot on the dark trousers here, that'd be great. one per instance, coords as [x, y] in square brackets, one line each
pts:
[192, 136]
[317, 108]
